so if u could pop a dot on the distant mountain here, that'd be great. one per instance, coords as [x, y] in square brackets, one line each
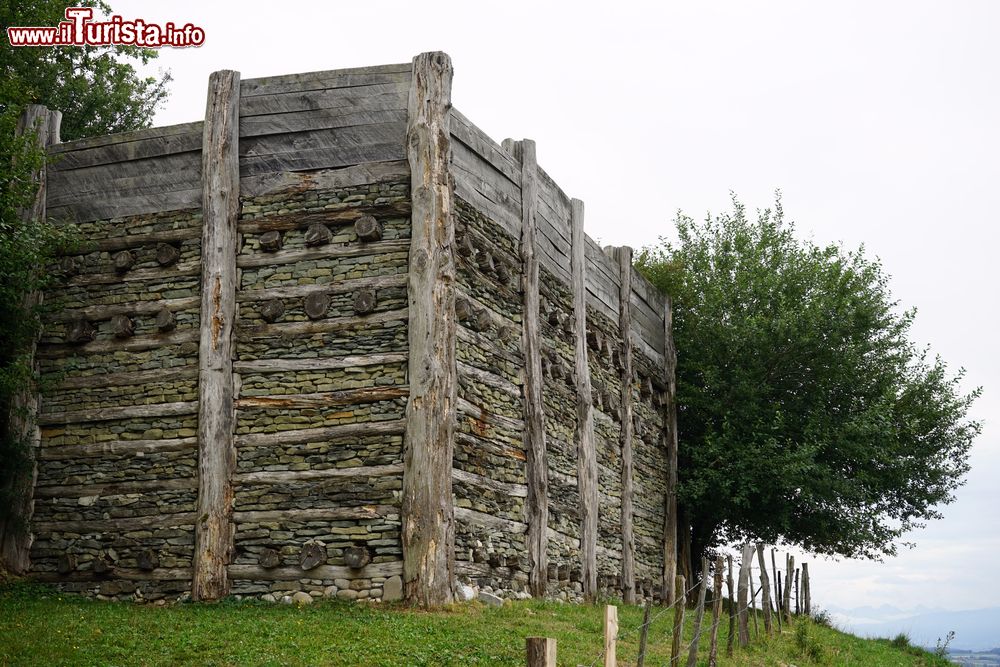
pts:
[975, 629]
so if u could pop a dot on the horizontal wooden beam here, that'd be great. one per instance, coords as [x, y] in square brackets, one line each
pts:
[320, 326]
[318, 363]
[324, 399]
[324, 434]
[114, 488]
[128, 379]
[256, 573]
[504, 488]
[339, 287]
[122, 412]
[116, 448]
[106, 312]
[120, 525]
[302, 219]
[292, 476]
[129, 574]
[315, 514]
[323, 179]
[137, 344]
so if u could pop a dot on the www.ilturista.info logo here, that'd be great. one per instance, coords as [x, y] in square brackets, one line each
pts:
[80, 30]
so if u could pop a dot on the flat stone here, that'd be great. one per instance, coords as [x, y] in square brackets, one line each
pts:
[392, 589]
[465, 593]
[330, 592]
[268, 597]
[302, 598]
[347, 595]
[490, 600]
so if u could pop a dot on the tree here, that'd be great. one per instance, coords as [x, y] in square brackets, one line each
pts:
[99, 92]
[805, 413]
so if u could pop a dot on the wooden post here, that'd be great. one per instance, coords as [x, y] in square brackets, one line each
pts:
[623, 255]
[644, 634]
[220, 205]
[806, 591]
[428, 516]
[670, 511]
[787, 593]
[699, 615]
[713, 647]
[610, 635]
[680, 599]
[743, 596]
[541, 651]
[586, 448]
[777, 588]
[537, 474]
[798, 607]
[753, 602]
[15, 531]
[732, 607]
[765, 590]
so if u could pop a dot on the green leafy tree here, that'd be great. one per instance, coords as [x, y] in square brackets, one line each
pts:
[806, 415]
[99, 92]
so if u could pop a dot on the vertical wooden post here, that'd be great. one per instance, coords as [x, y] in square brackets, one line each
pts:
[670, 511]
[428, 515]
[586, 448]
[610, 635]
[216, 414]
[786, 599]
[537, 505]
[644, 634]
[765, 590]
[798, 606]
[15, 531]
[680, 599]
[713, 640]
[743, 595]
[753, 602]
[777, 588]
[699, 615]
[806, 591]
[623, 256]
[541, 651]
[732, 607]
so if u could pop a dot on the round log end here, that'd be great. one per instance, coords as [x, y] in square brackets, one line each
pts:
[272, 310]
[317, 234]
[357, 557]
[316, 304]
[122, 326]
[165, 320]
[123, 261]
[365, 301]
[313, 553]
[167, 254]
[368, 229]
[80, 332]
[270, 241]
[269, 558]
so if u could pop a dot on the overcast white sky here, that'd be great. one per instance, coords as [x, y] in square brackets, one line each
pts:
[878, 121]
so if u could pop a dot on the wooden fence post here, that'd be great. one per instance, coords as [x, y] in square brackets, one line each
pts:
[541, 651]
[214, 530]
[428, 516]
[786, 598]
[743, 596]
[643, 634]
[753, 602]
[610, 635]
[586, 448]
[732, 607]
[765, 591]
[806, 590]
[798, 589]
[713, 647]
[777, 588]
[699, 615]
[680, 599]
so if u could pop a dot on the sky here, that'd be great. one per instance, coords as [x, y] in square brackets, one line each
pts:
[876, 120]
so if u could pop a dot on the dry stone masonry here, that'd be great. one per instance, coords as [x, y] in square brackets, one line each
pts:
[335, 341]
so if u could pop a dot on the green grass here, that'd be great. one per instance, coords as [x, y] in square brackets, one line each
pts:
[39, 626]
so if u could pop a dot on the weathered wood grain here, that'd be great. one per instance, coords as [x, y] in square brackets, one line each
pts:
[623, 257]
[138, 204]
[329, 434]
[333, 100]
[318, 363]
[115, 448]
[323, 179]
[584, 435]
[147, 342]
[293, 476]
[470, 136]
[114, 488]
[428, 515]
[243, 572]
[143, 135]
[214, 546]
[670, 420]
[322, 514]
[117, 412]
[324, 79]
[323, 399]
[348, 286]
[537, 505]
[119, 525]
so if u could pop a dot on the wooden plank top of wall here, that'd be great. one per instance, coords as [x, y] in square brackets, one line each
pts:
[126, 137]
[479, 142]
[338, 78]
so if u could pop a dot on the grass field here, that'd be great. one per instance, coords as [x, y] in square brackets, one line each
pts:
[39, 626]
